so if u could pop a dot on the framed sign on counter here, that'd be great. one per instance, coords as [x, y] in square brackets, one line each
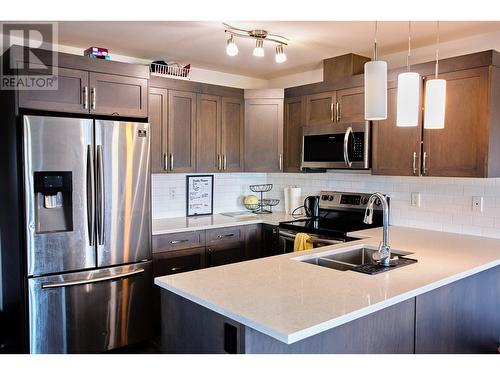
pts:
[199, 195]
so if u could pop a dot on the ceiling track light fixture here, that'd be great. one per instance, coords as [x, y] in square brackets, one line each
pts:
[259, 36]
[408, 98]
[435, 96]
[375, 86]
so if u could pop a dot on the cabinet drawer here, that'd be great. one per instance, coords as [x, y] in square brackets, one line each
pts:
[169, 263]
[225, 235]
[178, 241]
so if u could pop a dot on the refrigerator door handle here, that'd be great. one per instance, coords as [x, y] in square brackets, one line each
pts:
[90, 195]
[100, 195]
[61, 284]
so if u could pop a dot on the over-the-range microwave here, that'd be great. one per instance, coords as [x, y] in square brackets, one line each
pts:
[339, 146]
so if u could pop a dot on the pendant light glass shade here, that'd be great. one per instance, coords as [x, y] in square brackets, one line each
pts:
[376, 90]
[258, 51]
[231, 47]
[435, 104]
[408, 100]
[280, 54]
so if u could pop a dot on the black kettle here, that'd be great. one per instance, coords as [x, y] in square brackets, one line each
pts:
[311, 206]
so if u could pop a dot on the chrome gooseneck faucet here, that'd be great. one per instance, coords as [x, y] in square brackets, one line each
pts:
[384, 250]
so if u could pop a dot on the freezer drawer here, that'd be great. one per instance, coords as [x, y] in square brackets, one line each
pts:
[91, 311]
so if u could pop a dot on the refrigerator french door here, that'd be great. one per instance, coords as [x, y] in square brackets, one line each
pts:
[87, 199]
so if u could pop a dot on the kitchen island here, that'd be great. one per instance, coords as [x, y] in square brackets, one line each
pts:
[447, 302]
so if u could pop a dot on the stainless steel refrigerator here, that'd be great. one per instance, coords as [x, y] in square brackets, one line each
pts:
[88, 236]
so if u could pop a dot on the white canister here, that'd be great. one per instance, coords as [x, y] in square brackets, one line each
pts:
[293, 199]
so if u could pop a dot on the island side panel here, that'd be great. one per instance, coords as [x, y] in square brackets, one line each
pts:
[461, 317]
[189, 328]
[390, 330]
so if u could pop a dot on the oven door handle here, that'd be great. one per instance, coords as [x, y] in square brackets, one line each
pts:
[313, 239]
[348, 132]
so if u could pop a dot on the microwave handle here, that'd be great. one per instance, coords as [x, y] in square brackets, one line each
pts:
[348, 132]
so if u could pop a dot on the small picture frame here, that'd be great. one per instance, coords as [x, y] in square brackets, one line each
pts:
[199, 195]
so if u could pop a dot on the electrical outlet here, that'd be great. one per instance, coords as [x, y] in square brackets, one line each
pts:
[477, 204]
[415, 199]
[171, 193]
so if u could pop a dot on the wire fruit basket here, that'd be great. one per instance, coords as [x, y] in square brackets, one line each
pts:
[264, 205]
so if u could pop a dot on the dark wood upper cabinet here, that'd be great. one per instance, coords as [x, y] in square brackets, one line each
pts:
[461, 148]
[208, 133]
[181, 131]
[395, 150]
[232, 131]
[158, 117]
[115, 95]
[72, 94]
[350, 106]
[320, 108]
[264, 135]
[295, 109]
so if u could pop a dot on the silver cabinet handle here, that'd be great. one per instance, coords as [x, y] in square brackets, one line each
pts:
[171, 162]
[281, 162]
[225, 235]
[60, 284]
[219, 162]
[331, 112]
[414, 163]
[176, 269]
[165, 161]
[173, 242]
[424, 163]
[348, 132]
[90, 195]
[93, 94]
[338, 112]
[225, 162]
[85, 97]
[100, 195]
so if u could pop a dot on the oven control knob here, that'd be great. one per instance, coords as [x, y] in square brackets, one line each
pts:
[324, 197]
[330, 198]
[377, 202]
[364, 200]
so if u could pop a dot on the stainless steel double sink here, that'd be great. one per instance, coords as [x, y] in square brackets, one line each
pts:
[357, 258]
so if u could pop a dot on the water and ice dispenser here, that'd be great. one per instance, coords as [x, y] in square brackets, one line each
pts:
[53, 202]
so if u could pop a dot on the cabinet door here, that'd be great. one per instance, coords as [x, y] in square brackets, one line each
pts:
[320, 108]
[460, 149]
[263, 135]
[158, 110]
[232, 134]
[396, 150]
[171, 262]
[294, 121]
[115, 95]
[350, 105]
[208, 133]
[270, 240]
[181, 131]
[225, 253]
[253, 241]
[72, 94]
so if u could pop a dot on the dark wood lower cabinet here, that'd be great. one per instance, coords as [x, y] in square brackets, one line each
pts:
[461, 317]
[270, 240]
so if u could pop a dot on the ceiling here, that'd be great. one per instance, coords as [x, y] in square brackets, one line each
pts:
[202, 44]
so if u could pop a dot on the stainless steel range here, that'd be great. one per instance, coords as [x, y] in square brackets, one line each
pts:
[339, 214]
[87, 214]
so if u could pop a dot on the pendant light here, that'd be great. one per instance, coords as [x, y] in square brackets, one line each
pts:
[231, 47]
[435, 96]
[408, 99]
[258, 51]
[280, 54]
[375, 86]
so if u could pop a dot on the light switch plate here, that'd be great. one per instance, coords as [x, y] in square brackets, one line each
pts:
[415, 199]
[477, 204]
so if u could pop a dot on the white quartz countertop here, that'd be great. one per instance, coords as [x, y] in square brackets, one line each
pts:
[291, 300]
[184, 224]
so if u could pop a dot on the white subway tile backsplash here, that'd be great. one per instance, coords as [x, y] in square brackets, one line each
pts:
[446, 203]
